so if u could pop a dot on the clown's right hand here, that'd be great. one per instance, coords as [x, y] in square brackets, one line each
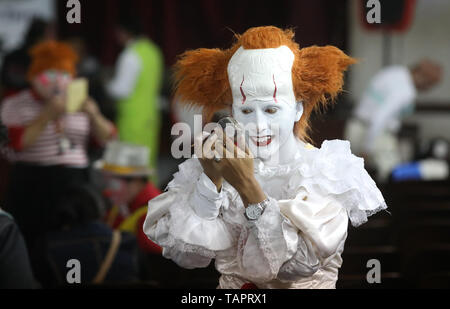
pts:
[56, 106]
[205, 152]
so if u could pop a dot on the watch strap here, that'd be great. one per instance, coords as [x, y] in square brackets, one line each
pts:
[262, 205]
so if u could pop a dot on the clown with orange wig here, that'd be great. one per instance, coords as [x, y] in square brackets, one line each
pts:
[273, 211]
[48, 143]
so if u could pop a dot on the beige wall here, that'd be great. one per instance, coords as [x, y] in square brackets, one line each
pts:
[429, 37]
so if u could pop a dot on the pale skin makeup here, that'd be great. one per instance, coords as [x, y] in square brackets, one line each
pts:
[270, 128]
[264, 103]
[51, 83]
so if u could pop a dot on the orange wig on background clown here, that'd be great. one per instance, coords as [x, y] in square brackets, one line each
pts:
[52, 55]
[317, 75]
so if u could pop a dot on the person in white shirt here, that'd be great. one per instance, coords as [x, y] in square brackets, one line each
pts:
[136, 86]
[278, 218]
[390, 96]
[127, 71]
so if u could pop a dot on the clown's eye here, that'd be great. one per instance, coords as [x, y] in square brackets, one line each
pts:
[246, 111]
[271, 110]
[51, 75]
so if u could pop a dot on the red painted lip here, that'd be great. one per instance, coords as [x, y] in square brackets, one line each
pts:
[261, 144]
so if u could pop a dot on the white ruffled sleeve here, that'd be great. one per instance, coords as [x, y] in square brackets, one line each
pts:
[184, 220]
[334, 171]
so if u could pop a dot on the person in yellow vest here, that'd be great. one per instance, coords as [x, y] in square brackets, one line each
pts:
[125, 168]
[136, 86]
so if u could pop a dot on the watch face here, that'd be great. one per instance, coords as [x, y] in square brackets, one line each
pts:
[253, 212]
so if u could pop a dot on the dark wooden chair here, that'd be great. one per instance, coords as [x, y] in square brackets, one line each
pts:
[419, 233]
[353, 273]
[440, 280]
[378, 231]
[166, 274]
[428, 263]
[392, 280]
[355, 259]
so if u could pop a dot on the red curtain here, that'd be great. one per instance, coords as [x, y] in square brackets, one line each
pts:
[177, 25]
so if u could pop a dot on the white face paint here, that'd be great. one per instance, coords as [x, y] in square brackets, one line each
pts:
[50, 82]
[264, 100]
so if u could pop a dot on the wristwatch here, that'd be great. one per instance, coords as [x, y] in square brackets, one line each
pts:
[254, 211]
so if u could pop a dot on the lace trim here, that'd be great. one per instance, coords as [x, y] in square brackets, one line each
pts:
[180, 246]
[188, 172]
[331, 170]
[263, 236]
[361, 217]
[269, 254]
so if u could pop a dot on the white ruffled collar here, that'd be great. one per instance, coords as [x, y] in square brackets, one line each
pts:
[331, 170]
[299, 159]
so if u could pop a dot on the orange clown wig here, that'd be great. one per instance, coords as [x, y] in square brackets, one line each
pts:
[317, 74]
[52, 55]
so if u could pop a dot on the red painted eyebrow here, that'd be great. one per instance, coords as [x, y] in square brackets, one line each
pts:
[244, 97]
[275, 91]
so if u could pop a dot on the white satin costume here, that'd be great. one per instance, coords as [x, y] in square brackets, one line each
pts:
[296, 243]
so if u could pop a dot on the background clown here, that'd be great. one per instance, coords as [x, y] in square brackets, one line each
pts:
[277, 215]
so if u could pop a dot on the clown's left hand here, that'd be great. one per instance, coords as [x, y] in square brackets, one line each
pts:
[237, 168]
[103, 129]
[90, 107]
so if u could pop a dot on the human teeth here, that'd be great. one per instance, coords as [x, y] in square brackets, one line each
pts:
[262, 140]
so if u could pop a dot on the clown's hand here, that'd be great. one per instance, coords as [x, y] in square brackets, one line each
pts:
[56, 106]
[205, 151]
[237, 168]
[235, 165]
[90, 107]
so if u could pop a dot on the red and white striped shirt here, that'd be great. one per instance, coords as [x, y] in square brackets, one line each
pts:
[20, 110]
